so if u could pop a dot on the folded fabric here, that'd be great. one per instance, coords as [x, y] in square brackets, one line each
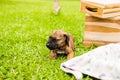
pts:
[102, 63]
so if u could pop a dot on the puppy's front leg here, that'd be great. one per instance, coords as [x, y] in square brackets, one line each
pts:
[70, 53]
[53, 54]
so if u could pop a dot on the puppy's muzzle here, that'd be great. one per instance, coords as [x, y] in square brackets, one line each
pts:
[51, 45]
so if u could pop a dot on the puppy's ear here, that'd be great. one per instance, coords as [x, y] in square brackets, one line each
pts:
[67, 39]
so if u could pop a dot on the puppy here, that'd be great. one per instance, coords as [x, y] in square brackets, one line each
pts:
[60, 43]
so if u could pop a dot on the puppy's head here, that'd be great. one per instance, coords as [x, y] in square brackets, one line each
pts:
[57, 40]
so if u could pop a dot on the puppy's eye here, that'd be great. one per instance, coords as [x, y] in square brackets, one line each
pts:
[50, 37]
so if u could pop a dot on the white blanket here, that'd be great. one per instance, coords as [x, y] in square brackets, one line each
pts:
[102, 63]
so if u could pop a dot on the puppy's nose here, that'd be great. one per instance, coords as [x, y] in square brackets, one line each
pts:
[48, 44]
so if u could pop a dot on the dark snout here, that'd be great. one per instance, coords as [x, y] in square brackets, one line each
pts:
[48, 44]
[51, 45]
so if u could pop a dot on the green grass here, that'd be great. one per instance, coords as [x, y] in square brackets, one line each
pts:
[25, 26]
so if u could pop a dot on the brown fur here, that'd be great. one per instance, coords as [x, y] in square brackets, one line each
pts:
[61, 43]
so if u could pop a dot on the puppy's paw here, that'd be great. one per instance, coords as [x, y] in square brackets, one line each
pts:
[53, 56]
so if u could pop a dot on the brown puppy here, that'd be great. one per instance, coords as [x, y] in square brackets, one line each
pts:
[61, 43]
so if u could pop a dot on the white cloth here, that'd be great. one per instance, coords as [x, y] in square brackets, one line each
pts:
[102, 63]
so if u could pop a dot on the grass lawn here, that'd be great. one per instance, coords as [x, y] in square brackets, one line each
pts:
[25, 26]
